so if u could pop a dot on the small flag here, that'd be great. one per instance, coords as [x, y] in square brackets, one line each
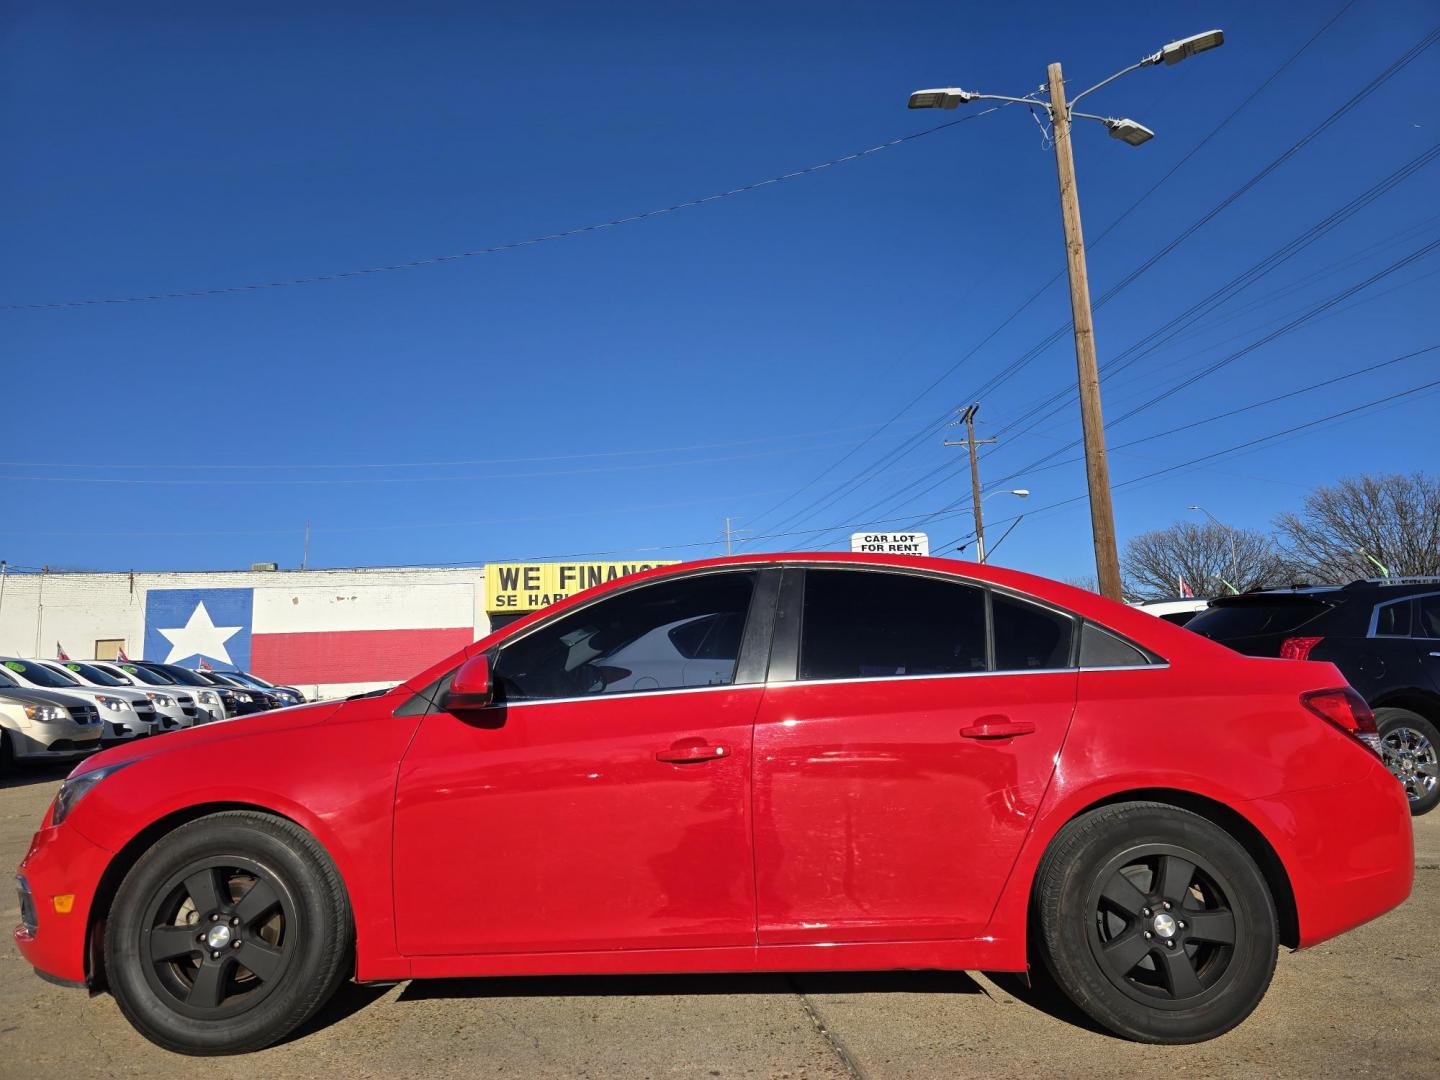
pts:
[60, 652]
[120, 655]
[1186, 593]
[205, 665]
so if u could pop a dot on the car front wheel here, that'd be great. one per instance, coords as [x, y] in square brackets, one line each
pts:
[1156, 922]
[227, 935]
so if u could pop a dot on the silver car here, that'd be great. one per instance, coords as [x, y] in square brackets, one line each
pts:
[210, 705]
[126, 713]
[39, 725]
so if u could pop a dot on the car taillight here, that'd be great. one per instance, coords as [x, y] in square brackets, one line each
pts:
[1298, 648]
[1346, 710]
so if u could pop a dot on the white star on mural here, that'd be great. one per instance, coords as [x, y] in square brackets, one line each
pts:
[199, 637]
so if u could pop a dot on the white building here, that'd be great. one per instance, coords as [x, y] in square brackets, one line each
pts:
[327, 632]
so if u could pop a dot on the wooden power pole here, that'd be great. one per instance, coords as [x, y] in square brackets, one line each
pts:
[967, 417]
[1097, 468]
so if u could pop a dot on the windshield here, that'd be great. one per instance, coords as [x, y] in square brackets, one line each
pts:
[248, 679]
[94, 674]
[40, 675]
[145, 675]
[185, 676]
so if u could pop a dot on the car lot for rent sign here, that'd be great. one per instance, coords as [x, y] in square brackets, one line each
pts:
[915, 543]
[513, 588]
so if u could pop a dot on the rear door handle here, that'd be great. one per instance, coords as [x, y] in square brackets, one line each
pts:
[997, 727]
[680, 755]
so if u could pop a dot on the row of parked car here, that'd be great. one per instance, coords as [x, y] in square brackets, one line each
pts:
[59, 709]
[1382, 633]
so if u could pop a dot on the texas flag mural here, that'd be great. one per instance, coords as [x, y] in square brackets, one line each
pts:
[350, 634]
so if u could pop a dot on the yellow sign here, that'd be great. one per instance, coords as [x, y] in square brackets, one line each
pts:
[520, 587]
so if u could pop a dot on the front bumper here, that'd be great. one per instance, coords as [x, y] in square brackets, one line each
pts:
[55, 740]
[1351, 851]
[60, 864]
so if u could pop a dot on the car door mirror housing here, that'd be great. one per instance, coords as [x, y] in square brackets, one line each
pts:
[471, 689]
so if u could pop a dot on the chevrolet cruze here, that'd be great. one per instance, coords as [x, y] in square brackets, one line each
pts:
[889, 763]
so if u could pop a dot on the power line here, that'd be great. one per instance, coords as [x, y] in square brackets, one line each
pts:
[1156, 339]
[565, 234]
[1015, 366]
[1347, 412]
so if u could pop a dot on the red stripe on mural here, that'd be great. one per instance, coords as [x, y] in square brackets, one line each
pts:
[347, 656]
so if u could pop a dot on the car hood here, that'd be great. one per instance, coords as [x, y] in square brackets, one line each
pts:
[215, 732]
[40, 697]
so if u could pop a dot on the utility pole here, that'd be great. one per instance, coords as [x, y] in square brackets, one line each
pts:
[1097, 470]
[305, 554]
[727, 534]
[967, 417]
[1097, 467]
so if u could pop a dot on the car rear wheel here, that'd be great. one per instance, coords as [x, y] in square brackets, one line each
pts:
[227, 935]
[1410, 747]
[1156, 923]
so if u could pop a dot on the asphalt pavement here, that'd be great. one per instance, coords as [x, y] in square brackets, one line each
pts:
[1367, 1003]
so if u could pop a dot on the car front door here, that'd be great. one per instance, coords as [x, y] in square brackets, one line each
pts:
[1427, 636]
[579, 813]
[907, 735]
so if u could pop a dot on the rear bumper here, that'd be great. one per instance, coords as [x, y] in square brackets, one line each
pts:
[60, 863]
[1350, 852]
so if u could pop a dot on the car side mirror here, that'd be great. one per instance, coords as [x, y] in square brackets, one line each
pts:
[470, 690]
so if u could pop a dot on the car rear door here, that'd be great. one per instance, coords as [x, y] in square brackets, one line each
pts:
[909, 730]
[581, 814]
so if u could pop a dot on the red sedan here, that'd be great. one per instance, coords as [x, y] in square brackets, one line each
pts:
[810, 762]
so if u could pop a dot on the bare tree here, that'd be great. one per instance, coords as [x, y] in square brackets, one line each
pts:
[1392, 519]
[1082, 581]
[1206, 556]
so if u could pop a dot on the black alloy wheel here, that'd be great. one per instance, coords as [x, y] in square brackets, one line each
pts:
[1164, 932]
[228, 934]
[219, 939]
[1156, 922]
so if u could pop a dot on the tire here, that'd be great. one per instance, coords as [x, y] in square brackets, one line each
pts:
[273, 889]
[7, 754]
[1103, 886]
[1411, 745]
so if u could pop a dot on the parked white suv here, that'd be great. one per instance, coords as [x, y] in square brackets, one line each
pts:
[209, 703]
[173, 710]
[126, 713]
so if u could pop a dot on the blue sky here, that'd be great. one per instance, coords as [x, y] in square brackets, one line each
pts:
[624, 391]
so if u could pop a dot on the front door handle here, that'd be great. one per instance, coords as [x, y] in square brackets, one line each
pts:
[997, 727]
[681, 755]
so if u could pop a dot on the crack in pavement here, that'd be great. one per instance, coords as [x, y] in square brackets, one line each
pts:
[852, 1067]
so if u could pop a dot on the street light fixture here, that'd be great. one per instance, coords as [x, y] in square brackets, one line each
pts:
[1187, 47]
[1129, 131]
[1097, 468]
[1021, 493]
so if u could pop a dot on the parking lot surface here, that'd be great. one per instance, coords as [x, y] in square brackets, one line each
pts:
[1364, 1004]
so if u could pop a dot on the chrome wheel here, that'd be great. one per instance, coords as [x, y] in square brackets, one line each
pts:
[1412, 758]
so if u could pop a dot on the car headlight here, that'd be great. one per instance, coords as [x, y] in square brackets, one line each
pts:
[244, 697]
[76, 788]
[114, 704]
[163, 701]
[46, 714]
[208, 697]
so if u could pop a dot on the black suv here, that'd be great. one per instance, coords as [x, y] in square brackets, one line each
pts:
[1384, 636]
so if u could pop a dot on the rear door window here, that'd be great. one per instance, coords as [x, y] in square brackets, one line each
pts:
[862, 624]
[1028, 636]
[1393, 620]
